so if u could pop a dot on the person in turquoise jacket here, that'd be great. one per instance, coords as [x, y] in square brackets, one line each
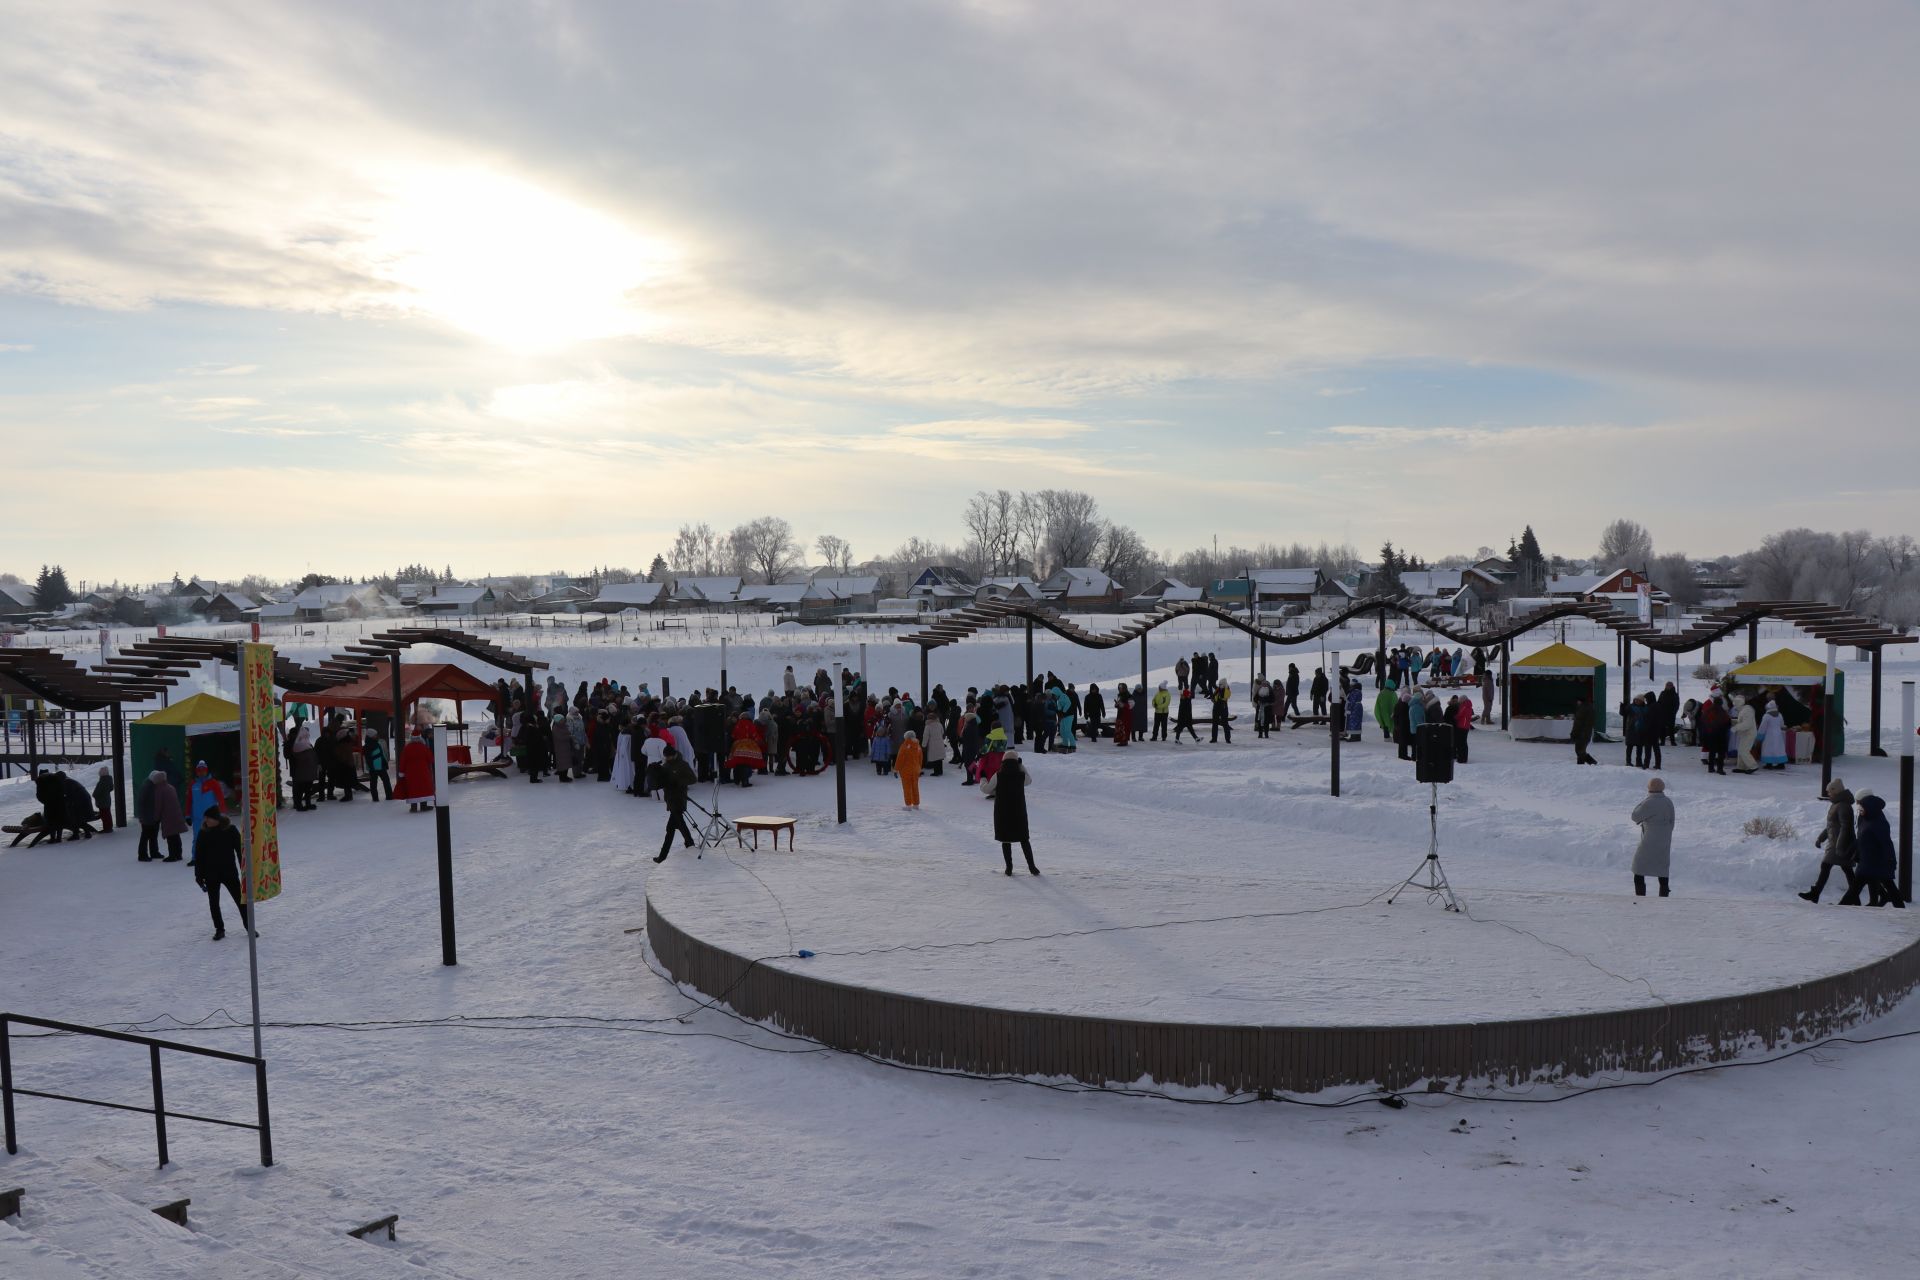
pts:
[1415, 664]
[1063, 708]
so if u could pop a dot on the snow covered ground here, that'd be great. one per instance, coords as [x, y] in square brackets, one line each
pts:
[530, 1114]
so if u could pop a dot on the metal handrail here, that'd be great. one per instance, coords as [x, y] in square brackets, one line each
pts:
[263, 1125]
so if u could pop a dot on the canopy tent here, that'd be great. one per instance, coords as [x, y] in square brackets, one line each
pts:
[374, 691]
[1800, 685]
[202, 727]
[1544, 687]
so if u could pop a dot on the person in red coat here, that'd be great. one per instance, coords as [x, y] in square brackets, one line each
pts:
[415, 784]
[749, 750]
[1462, 726]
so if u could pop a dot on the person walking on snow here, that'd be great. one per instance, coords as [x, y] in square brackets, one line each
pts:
[1183, 723]
[1582, 731]
[1654, 816]
[1744, 734]
[216, 866]
[1009, 790]
[1162, 703]
[1318, 690]
[1878, 861]
[676, 780]
[906, 763]
[1838, 842]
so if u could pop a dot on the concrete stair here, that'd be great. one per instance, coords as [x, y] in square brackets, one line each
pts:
[91, 1217]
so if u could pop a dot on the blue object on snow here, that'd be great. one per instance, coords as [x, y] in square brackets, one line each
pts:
[804, 955]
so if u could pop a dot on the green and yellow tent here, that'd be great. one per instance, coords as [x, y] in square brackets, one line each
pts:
[1545, 686]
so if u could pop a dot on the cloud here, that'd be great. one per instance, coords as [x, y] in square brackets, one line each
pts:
[1336, 392]
[16, 346]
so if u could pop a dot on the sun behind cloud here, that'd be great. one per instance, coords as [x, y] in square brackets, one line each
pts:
[513, 263]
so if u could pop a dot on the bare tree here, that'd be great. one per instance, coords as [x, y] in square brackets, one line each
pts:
[1626, 543]
[696, 552]
[836, 553]
[1124, 557]
[766, 547]
[993, 526]
[1673, 574]
[1072, 524]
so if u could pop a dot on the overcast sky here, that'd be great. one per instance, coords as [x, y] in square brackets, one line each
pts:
[522, 287]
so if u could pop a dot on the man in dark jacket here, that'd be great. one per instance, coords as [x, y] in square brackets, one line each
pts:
[1318, 691]
[216, 866]
[1222, 722]
[1291, 705]
[1669, 713]
[373, 750]
[78, 805]
[1092, 708]
[1582, 731]
[676, 776]
[535, 745]
[50, 791]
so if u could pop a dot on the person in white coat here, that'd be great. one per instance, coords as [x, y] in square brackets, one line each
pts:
[934, 742]
[1773, 738]
[622, 777]
[1745, 760]
[1654, 816]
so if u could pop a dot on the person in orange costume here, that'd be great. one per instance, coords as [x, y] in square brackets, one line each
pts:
[906, 763]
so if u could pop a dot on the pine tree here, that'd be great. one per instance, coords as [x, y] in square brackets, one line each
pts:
[51, 591]
[657, 571]
[1530, 565]
[1387, 581]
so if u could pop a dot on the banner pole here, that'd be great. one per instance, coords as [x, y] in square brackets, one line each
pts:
[246, 839]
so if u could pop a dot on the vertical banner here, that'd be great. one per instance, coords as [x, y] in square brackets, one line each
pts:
[259, 745]
[256, 633]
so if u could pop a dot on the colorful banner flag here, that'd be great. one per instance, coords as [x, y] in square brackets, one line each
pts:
[259, 744]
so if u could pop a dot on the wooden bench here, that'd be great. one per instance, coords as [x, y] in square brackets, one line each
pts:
[494, 768]
[757, 825]
[1297, 720]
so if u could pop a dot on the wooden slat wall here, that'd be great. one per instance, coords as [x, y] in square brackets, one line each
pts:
[989, 1041]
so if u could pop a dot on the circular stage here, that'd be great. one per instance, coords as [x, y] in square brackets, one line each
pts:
[1243, 984]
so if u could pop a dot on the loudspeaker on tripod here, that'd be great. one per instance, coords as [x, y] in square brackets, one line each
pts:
[1433, 753]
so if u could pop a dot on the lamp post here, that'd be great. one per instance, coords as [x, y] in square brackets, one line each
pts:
[1336, 709]
[443, 833]
[839, 746]
[1906, 789]
[1826, 723]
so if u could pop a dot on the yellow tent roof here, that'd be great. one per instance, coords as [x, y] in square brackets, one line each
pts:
[1782, 666]
[201, 708]
[1560, 655]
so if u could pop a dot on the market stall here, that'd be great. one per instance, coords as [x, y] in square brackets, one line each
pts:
[1544, 688]
[1797, 684]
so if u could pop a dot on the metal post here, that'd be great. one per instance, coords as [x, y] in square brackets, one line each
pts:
[839, 747]
[120, 766]
[1380, 654]
[1907, 789]
[923, 675]
[443, 831]
[1626, 698]
[1826, 722]
[1143, 664]
[260, 1103]
[1334, 718]
[6, 1086]
[33, 740]
[864, 683]
[1875, 748]
[159, 1104]
[1753, 640]
[723, 666]
[1506, 683]
[1029, 652]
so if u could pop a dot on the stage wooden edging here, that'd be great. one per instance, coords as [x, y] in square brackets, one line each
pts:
[1246, 1059]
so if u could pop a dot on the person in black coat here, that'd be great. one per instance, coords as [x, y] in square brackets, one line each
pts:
[1318, 690]
[216, 866]
[1877, 862]
[77, 806]
[1292, 705]
[676, 779]
[1403, 729]
[1010, 811]
[52, 795]
[1582, 731]
[1092, 708]
[1668, 705]
[536, 746]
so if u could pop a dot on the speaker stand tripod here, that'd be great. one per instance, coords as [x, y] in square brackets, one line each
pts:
[1430, 877]
[716, 828]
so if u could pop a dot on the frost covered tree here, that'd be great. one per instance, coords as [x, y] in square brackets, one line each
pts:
[1625, 544]
[836, 553]
[51, 591]
[657, 571]
[696, 552]
[765, 547]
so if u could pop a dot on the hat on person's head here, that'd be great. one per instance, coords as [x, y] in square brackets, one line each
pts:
[1863, 794]
[198, 765]
[158, 775]
[1835, 787]
[1656, 785]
